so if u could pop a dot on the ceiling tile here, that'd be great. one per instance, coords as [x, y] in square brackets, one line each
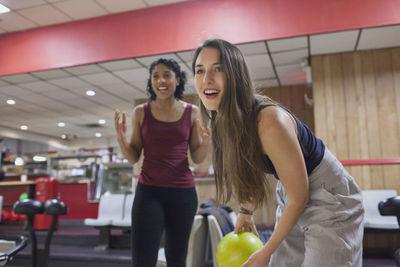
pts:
[71, 83]
[257, 61]
[291, 75]
[3, 83]
[186, 56]
[13, 90]
[100, 78]
[163, 2]
[18, 4]
[84, 69]
[14, 22]
[140, 74]
[120, 64]
[333, 42]
[115, 6]
[44, 15]
[379, 38]
[61, 94]
[148, 60]
[287, 44]
[262, 73]
[253, 48]
[51, 74]
[290, 57]
[19, 78]
[39, 86]
[81, 9]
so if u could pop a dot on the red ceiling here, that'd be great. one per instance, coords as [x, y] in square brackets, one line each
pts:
[183, 26]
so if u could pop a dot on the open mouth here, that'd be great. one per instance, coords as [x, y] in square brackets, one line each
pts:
[162, 88]
[211, 92]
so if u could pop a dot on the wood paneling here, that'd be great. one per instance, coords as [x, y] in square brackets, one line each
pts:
[293, 98]
[357, 111]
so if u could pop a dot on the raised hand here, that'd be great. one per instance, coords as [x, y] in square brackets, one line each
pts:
[120, 127]
[203, 132]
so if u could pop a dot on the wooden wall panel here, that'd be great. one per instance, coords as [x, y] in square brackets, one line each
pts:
[357, 111]
[293, 98]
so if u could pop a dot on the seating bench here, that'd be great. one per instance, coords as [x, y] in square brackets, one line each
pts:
[373, 219]
[114, 212]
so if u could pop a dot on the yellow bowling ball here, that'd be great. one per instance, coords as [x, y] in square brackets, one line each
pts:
[235, 249]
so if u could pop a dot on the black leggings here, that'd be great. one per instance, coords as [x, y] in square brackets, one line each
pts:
[158, 208]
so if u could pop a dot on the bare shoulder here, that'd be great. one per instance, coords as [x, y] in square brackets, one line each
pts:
[273, 118]
[138, 113]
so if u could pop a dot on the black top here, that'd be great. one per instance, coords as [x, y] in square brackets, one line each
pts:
[312, 147]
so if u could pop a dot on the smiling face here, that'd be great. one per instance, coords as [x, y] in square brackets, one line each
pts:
[163, 81]
[209, 78]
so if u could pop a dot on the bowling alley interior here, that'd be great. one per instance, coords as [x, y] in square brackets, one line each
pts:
[66, 66]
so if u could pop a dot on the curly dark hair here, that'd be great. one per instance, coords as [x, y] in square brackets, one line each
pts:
[174, 66]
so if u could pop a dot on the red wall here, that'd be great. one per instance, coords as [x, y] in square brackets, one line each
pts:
[73, 195]
[183, 26]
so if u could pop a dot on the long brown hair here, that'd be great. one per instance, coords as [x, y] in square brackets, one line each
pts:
[238, 158]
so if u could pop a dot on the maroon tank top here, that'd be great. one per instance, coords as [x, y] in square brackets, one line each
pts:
[165, 146]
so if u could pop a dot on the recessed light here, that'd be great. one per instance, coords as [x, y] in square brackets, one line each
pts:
[102, 121]
[98, 134]
[90, 92]
[19, 161]
[61, 124]
[39, 158]
[24, 127]
[4, 9]
[11, 102]
[63, 136]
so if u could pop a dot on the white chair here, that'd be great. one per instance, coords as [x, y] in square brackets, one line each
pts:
[125, 220]
[215, 236]
[110, 208]
[196, 247]
[373, 219]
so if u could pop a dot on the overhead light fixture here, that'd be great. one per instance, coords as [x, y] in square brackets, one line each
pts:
[64, 136]
[90, 92]
[24, 127]
[61, 124]
[4, 9]
[98, 134]
[11, 102]
[39, 158]
[102, 121]
[19, 161]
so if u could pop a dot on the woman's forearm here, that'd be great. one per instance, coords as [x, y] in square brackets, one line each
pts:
[288, 219]
[128, 151]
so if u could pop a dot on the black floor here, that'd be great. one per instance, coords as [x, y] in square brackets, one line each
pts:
[75, 245]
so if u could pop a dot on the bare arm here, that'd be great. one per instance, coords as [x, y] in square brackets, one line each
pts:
[132, 149]
[199, 138]
[277, 132]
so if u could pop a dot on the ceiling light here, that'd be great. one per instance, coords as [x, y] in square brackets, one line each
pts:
[19, 161]
[63, 136]
[61, 124]
[39, 158]
[24, 127]
[90, 92]
[98, 134]
[11, 102]
[4, 9]
[102, 121]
